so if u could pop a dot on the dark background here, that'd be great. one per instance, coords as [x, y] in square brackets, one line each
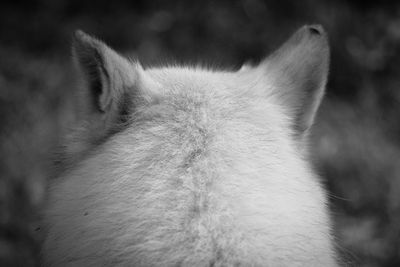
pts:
[356, 140]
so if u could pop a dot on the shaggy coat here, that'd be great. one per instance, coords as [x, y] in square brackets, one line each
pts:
[180, 166]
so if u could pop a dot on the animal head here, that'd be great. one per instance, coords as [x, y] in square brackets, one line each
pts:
[191, 166]
[286, 88]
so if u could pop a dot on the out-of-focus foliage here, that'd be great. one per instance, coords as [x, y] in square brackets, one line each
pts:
[356, 138]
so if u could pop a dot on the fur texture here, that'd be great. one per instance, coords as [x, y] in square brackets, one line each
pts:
[206, 168]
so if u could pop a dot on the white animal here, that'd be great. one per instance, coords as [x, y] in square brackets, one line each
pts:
[182, 166]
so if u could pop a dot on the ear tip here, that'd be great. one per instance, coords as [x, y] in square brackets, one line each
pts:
[315, 29]
[82, 43]
[312, 32]
[81, 37]
[79, 34]
[315, 36]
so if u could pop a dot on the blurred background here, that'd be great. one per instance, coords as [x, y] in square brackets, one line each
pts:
[356, 139]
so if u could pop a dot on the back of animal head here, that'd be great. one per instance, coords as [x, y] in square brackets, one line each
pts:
[113, 87]
[193, 166]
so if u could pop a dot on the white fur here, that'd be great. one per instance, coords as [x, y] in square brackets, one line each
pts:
[209, 174]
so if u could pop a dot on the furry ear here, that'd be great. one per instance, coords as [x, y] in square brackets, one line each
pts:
[105, 73]
[110, 80]
[112, 88]
[298, 71]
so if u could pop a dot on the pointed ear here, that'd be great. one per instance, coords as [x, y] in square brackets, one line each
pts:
[105, 73]
[298, 71]
[108, 77]
[112, 88]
